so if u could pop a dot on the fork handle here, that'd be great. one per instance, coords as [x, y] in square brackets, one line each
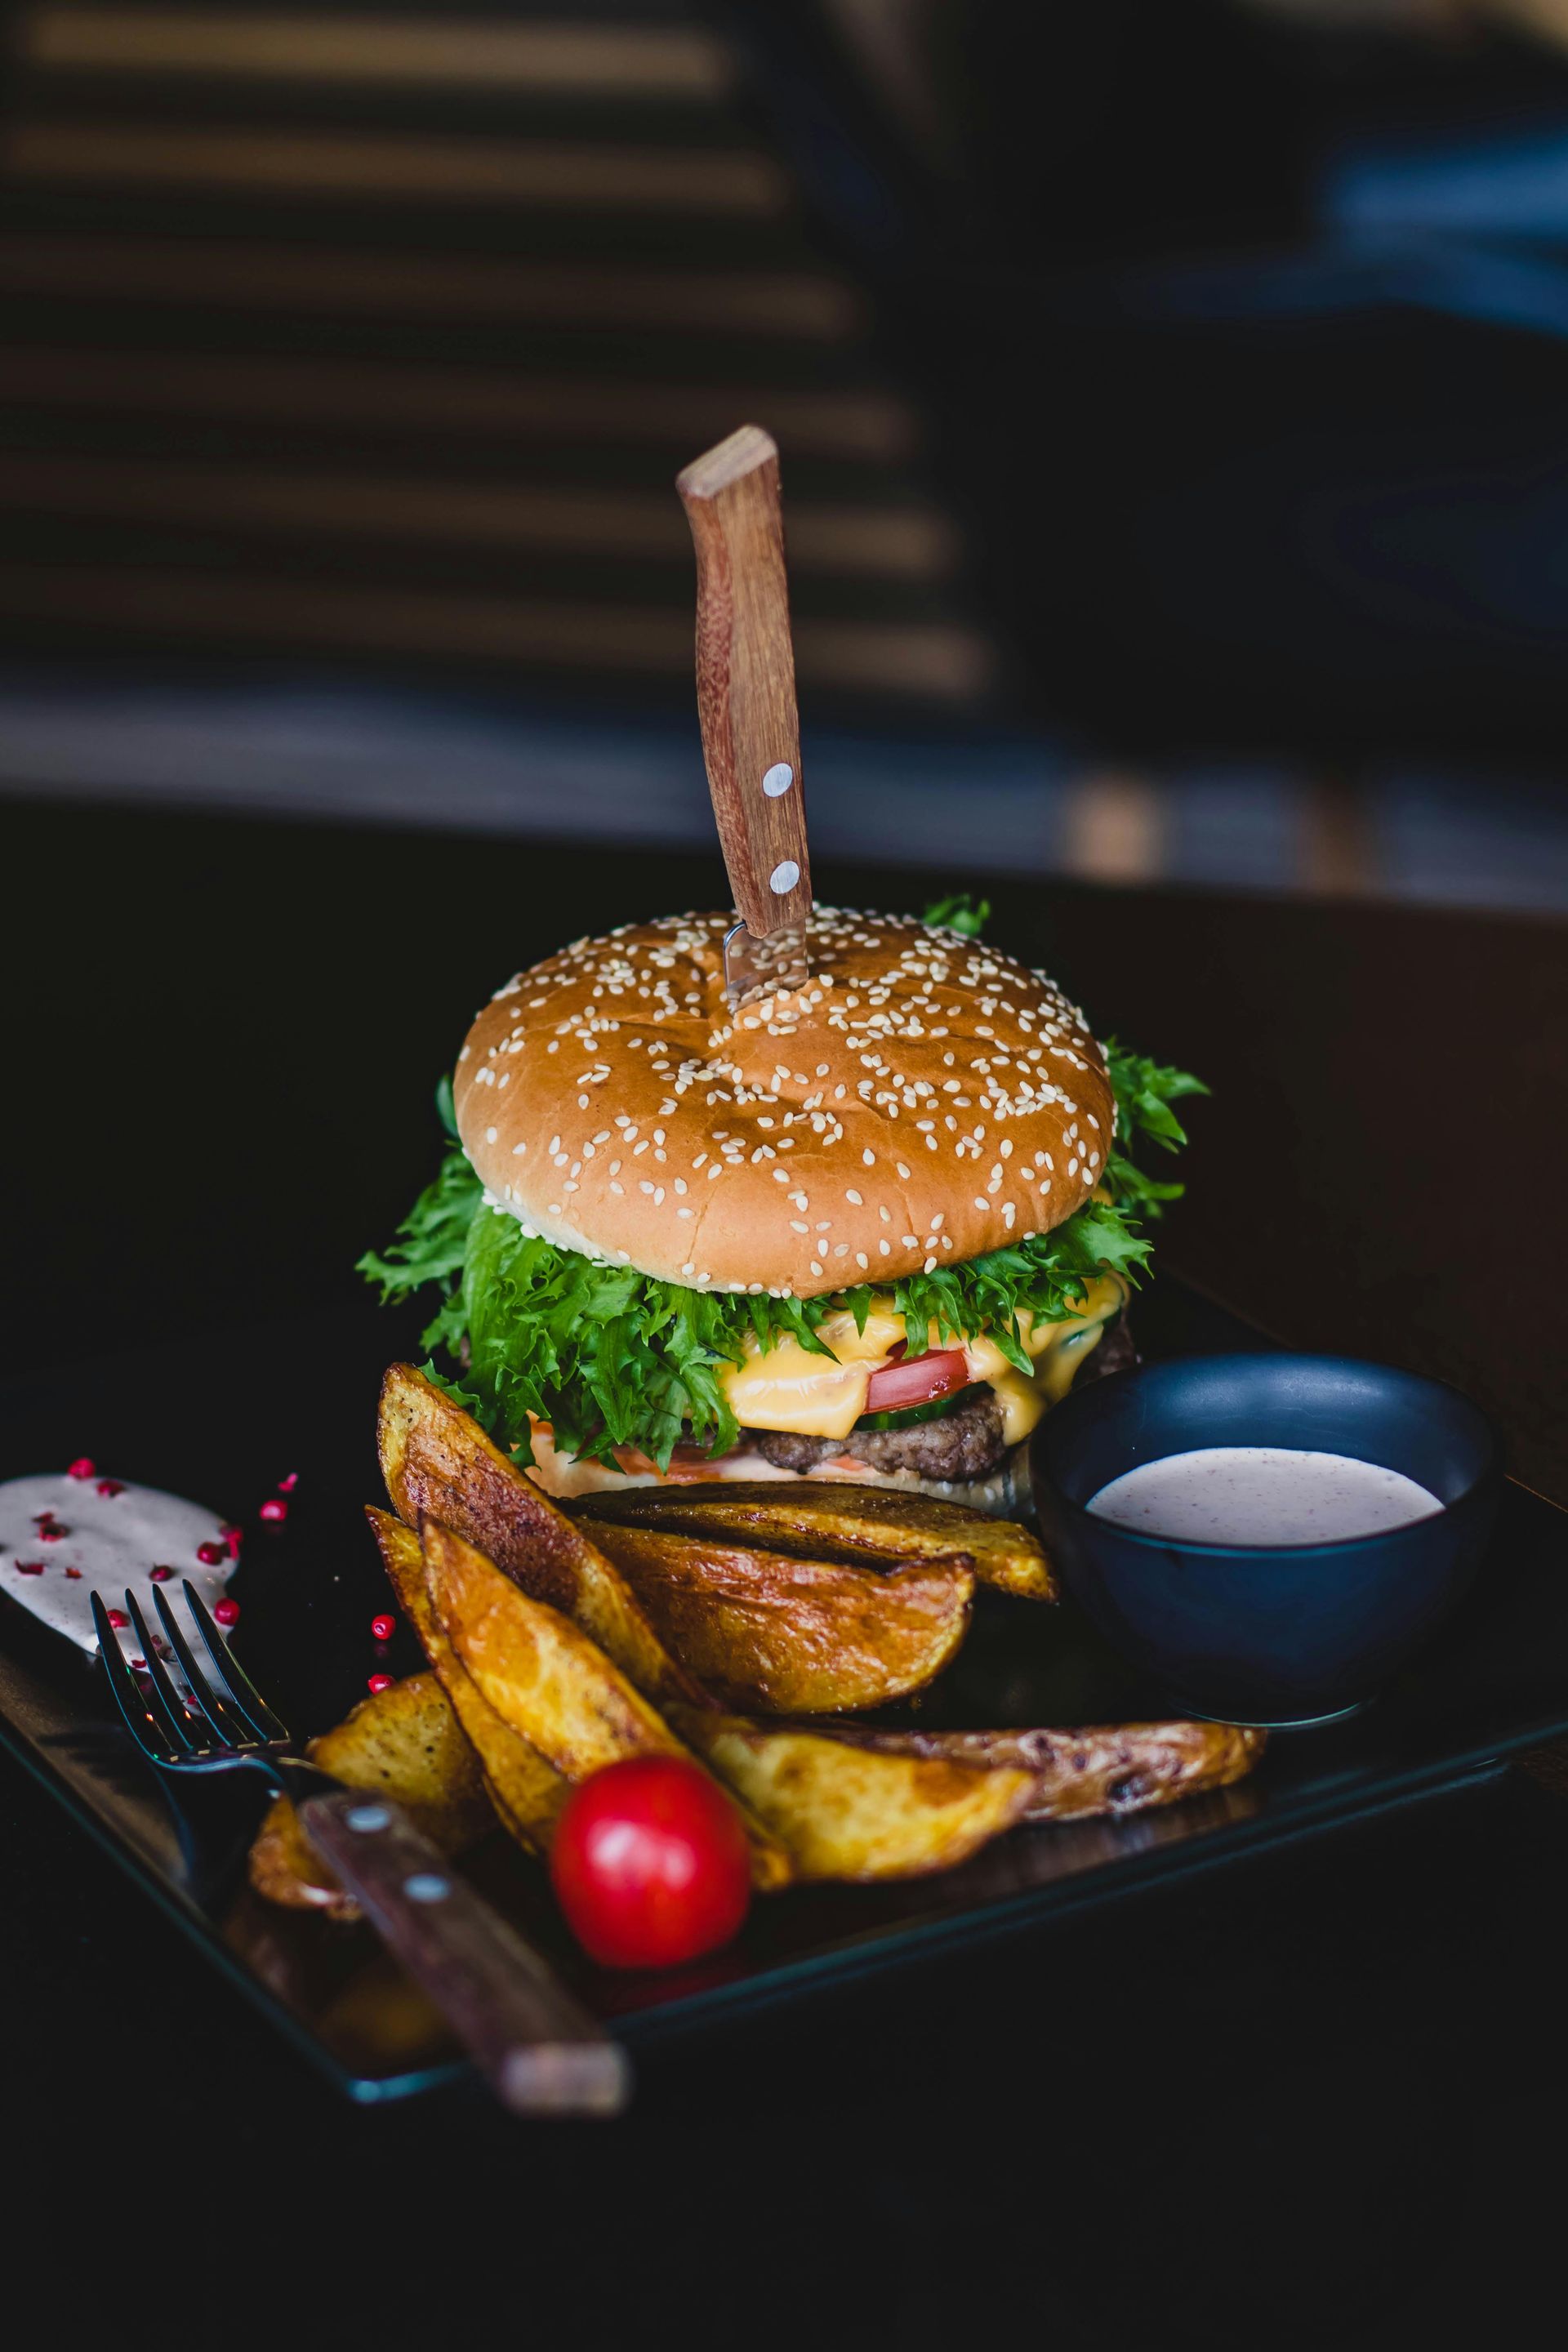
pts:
[543, 2053]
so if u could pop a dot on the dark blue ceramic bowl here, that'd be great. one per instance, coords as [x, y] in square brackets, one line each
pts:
[1270, 1636]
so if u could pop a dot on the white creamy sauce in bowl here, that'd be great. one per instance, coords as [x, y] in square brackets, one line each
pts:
[1271, 1497]
[62, 1538]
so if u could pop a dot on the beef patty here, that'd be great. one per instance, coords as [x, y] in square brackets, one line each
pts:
[963, 1444]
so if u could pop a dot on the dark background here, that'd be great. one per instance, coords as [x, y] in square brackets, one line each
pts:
[1170, 392]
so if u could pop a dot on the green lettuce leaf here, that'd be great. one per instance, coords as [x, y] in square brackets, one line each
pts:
[433, 1236]
[959, 913]
[611, 1356]
[1144, 1091]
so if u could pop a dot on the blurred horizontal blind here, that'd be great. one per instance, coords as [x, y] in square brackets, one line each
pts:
[376, 333]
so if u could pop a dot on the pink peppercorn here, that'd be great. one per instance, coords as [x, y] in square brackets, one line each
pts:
[273, 1511]
[383, 1628]
[378, 1682]
[112, 1486]
[83, 1466]
[160, 1575]
[226, 1610]
[118, 1619]
[210, 1554]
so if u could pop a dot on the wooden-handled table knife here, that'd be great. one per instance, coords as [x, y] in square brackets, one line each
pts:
[746, 701]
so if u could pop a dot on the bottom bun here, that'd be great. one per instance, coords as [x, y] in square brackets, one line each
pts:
[1003, 1492]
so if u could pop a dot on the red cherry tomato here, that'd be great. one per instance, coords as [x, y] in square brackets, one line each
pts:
[917, 1380]
[650, 1863]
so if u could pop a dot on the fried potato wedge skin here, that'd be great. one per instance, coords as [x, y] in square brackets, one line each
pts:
[524, 1786]
[773, 1635]
[439, 1463]
[404, 1743]
[851, 1812]
[876, 1527]
[1108, 1768]
[546, 1679]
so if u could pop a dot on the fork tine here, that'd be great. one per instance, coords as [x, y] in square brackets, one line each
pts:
[128, 1696]
[236, 1684]
[229, 1727]
[169, 1701]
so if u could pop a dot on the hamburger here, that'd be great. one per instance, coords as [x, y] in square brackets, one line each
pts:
[872, 1227]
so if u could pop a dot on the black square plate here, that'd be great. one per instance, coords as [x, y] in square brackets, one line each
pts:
[225, 1424]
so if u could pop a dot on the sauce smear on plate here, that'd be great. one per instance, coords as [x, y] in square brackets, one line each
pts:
[64, 1534]
[1269, 1496]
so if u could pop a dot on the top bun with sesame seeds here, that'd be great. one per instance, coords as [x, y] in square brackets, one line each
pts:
[923, 1099]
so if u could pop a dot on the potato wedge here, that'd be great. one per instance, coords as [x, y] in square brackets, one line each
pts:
[1115, 1768]
[405, 1743]
[877, 1526]
[526, 1789]
[773, 1634]
[851, 1812]
[437, 1461]
[546, 1679]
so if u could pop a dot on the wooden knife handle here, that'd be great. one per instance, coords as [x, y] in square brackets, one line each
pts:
[745, 677]
[543, 2053]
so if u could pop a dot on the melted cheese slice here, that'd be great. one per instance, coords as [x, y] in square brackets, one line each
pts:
[788, 1387]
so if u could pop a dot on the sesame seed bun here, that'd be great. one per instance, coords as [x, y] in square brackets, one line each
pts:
[923, 1099]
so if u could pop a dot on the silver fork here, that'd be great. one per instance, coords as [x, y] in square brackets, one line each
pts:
[543, 2053]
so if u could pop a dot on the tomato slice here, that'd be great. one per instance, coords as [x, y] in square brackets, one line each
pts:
[917, 1380]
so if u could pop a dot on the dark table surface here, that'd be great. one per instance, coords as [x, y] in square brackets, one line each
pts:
[1311, 2099]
